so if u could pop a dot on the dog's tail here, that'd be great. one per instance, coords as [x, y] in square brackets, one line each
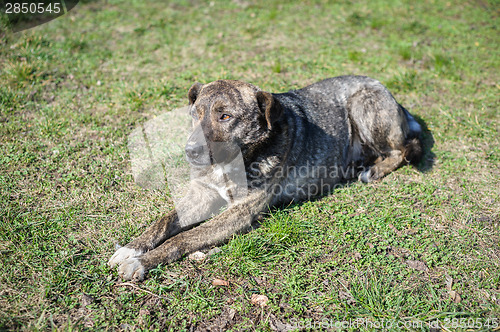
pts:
[413, 150]
[413, 147]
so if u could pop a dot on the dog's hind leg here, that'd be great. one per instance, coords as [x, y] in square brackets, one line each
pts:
[394, 159]
[382, 166]
[388, 133]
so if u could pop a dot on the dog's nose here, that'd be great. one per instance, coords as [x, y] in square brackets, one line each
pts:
[193, 151]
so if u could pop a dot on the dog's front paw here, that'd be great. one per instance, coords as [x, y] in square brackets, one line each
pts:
[123, 254]
[132, 269]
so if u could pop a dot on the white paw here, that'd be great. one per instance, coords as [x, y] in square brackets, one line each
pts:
[366, 176]
[123, 254]
[131, 269]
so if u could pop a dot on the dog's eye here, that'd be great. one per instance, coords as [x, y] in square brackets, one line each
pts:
[225, 117]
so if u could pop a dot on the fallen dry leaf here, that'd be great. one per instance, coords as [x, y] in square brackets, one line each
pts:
[259, 299]
[417, 265]
[220, 282]
[231, 312]
[455, 297]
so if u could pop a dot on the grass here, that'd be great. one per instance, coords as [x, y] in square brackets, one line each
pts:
[72, 90]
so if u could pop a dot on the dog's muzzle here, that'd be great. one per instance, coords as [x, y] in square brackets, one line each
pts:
[196, 154]
[202, 152]
[193, 152]
[196, 149]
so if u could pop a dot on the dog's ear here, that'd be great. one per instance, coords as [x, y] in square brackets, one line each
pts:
[269, 107]
[193, 92]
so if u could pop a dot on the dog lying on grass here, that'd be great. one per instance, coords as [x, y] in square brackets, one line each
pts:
[292, 146]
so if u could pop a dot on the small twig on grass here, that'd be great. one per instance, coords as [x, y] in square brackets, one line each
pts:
[142, 290]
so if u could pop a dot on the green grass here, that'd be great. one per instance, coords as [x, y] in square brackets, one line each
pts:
[72, 90]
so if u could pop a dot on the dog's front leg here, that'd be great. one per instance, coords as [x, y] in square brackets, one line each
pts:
[166, 226]
[197, 205]
[236, 219]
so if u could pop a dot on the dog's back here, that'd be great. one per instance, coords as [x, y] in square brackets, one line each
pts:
[344, 127]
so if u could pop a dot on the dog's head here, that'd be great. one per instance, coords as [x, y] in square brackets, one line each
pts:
[228, 117]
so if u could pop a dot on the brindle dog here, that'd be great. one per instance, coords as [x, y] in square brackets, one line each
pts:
[294, 146]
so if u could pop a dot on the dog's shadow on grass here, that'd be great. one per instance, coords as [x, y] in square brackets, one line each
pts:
[428, 157]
